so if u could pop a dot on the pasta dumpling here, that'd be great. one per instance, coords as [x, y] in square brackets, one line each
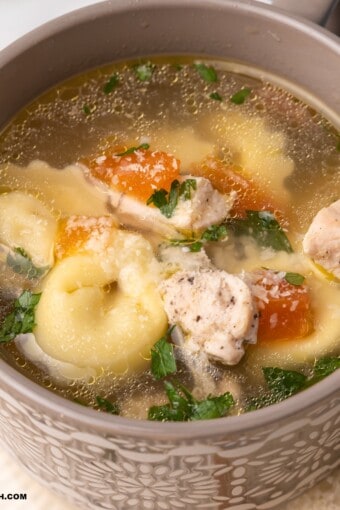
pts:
[27, 223]
[101, 310]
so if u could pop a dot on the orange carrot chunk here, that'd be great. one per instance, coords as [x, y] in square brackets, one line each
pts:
[285, 309]
[227, 179]
[138, 173]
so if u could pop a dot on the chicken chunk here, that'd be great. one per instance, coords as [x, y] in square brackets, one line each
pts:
[322, 240]
[205, 207]
[215, 311]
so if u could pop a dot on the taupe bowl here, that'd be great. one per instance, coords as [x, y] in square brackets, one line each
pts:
[254, 461]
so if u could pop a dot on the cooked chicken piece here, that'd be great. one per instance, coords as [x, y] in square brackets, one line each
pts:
[215, 311]
[208, 379]
[205, 207]
[322, 240]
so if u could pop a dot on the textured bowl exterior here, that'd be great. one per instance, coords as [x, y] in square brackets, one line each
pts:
[255, 461]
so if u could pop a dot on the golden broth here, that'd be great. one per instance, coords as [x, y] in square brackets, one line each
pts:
[287, 148]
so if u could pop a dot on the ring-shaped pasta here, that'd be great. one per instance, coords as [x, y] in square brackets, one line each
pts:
[103, 311]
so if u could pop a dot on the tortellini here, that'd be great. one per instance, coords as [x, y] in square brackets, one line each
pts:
[56, 188]
[255, 147]
[26, 223]
[103, 310]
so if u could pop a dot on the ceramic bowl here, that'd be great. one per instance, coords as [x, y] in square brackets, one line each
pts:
[99, 461]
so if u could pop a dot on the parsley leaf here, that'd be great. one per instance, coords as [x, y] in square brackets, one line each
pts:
[212, 233]
[240, 96]
[207, 73]
[111, 84]
[107, 406]
[163, 360]
[131, 150]
[184, 407]
[215, 233]
[158, 198]
[21, 263]
[86, 109]
[284, 383]
[212, 407]
[186, 187]
[21, 319]
[216, 96]
[264, 228]
[294, 278]
[167, 202]
[168, 209]
[145, 71]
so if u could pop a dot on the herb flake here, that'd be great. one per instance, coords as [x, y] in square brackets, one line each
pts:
[163, 361]
[215, 233]
[216, 96]
[131, 150]
[167, 201]
[21, 319]
[240, 96]
[184, 407]
[294, 278]
[208, 74]
[145, 71]
[264, 228]
[106, 405]
[284, 383]
[111, 84]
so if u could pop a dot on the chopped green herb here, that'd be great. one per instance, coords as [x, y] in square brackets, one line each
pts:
[131, 150]
[264, 228]
[144, 72]
[178, 67]
[294, 278]
[216, 96]
[21, 319]
[186, 187]
[338, 146]
[184, 407]
[212, 233]
[195, 247]
[212, 407]
[107, 406]
[111, 84]
[168, 209]
[284, 383]
[167, 202]
[86, 109]
[158, 198]
[21, 263]
[207, 73]
[240, 96]
[215, 233]
[163, 360]
[322, 368]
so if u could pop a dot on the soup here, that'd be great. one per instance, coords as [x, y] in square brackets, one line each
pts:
[170, 240]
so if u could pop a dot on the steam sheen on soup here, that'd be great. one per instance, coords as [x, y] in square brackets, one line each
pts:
[170, 240]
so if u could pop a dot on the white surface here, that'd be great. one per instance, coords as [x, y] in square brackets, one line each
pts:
[16, 18]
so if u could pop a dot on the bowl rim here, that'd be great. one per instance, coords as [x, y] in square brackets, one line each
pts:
[48, 401]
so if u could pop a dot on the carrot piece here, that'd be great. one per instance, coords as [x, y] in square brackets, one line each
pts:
[249, 194]
[285, 309]
[138, 173]
[81, 234]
